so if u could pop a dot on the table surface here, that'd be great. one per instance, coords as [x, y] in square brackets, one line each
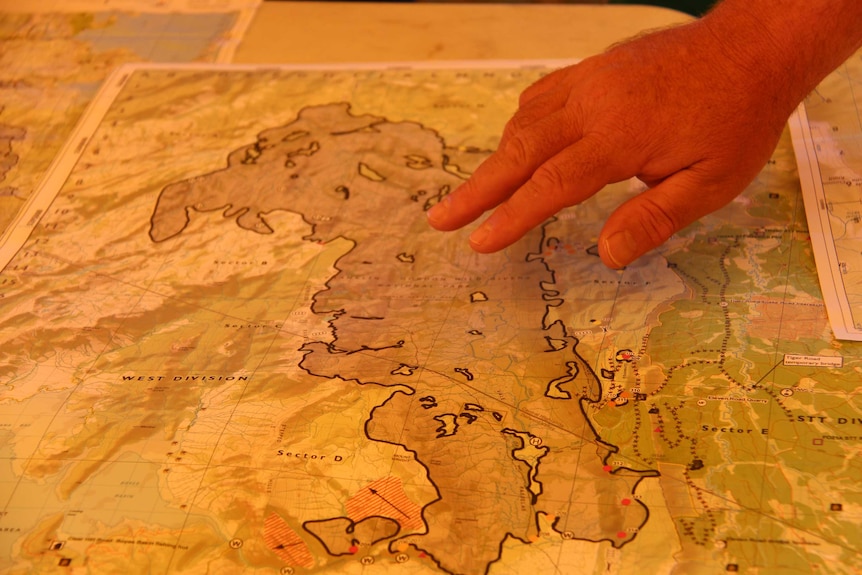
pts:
[328, 32]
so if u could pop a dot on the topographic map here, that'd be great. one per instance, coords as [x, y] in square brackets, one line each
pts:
[55, 54]
[827, 136]
[231, 343]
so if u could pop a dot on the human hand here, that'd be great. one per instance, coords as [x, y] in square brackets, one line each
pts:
[676, 109]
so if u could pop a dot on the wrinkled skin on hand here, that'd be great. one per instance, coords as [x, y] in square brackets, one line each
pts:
[675, 109]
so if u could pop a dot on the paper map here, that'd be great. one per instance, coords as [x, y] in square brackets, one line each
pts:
[54, 55]
[827, 136]
[231, 343]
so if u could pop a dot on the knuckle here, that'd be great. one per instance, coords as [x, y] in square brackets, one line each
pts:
[513, 218]
[658, 222]
[515, 125]
[549, 178]
[525, 210]
[527, 95]
[510, 214]
[533, 92]
[517, 150]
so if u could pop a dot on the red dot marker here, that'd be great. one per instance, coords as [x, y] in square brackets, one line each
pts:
[626, 501]
[353, 549]
[607, 467]
[621, 534]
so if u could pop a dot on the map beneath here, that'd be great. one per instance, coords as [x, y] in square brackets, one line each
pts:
[232, 343]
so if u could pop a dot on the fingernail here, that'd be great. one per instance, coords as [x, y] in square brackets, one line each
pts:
[478, 237]
[621, 248]
[438, 211]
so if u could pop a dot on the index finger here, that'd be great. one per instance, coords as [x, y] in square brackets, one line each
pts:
[505, 170]
[573, 175]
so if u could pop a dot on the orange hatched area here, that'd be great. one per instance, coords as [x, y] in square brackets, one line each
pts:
[386, 498]
[285, 543]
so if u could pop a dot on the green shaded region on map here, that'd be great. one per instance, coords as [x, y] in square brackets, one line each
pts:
[256, 355]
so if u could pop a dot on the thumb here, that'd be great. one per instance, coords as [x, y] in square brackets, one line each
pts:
[647, 220]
